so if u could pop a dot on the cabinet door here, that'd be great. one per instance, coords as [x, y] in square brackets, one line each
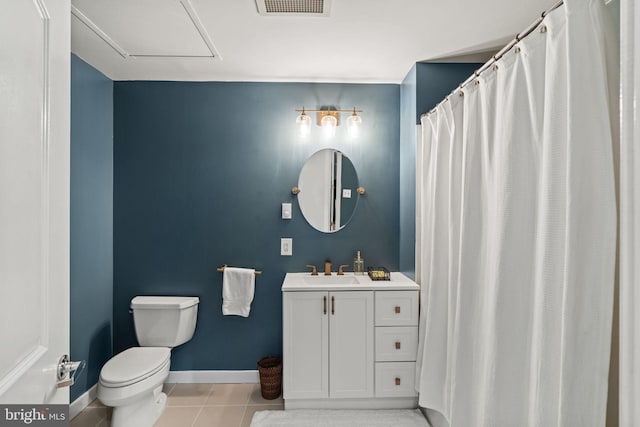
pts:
[351, 344]
[305, 345]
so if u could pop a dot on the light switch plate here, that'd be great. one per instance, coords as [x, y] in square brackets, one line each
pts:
[286, 211]
[286, 246]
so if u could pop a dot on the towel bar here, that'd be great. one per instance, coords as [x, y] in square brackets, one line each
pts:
[223, 266]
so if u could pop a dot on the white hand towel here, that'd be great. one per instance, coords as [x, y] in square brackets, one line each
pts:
[238, 286]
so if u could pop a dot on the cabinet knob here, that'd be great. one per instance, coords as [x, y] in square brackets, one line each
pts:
[397, 381]
[397, 345]
[397, 309]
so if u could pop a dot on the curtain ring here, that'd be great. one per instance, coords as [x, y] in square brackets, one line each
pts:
[543, 29]
[517, 49]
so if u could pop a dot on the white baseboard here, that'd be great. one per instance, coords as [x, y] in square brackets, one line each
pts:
[216, 377]
[82, 402]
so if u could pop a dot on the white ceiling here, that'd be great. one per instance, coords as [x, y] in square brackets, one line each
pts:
[361, 41]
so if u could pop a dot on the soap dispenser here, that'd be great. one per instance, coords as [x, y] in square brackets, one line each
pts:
[358, 264]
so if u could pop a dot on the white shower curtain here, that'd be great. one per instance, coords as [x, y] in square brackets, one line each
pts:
[517, 235]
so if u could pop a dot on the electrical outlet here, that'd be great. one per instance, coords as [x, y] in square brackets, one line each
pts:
[346, 193]
[286, 246]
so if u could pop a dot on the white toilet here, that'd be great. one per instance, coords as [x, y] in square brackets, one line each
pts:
[131, 382]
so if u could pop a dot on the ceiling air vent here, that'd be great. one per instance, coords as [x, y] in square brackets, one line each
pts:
[294, 7]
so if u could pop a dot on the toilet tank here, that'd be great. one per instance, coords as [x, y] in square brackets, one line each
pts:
[164, 321]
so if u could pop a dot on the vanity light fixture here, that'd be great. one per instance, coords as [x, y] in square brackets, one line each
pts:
[329, 123]
[328, 119]
[353, 124]
[304, 124]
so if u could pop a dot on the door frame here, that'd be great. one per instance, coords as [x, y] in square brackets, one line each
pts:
[629, 377]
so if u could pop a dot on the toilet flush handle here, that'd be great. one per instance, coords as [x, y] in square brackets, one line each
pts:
[68, 370]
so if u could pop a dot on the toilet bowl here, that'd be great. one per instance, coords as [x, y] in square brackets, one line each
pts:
[131, 382]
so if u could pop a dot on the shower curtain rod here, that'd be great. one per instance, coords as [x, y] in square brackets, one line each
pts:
[498, 55]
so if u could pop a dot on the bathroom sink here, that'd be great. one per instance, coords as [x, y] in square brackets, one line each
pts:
[330, 280]
[304, 281]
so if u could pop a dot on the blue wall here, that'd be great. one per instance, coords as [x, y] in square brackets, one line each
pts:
[434, 81]
[201, 170]
[91, 221]
[198, 173]
[425, 85]
[408, 142]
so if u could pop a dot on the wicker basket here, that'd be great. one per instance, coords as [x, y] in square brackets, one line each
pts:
[270, 369]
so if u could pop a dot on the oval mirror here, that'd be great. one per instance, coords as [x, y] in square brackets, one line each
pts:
[328, 196]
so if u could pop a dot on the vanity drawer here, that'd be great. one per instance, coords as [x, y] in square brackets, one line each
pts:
[396, 308]
[395, 379]
[396, 343]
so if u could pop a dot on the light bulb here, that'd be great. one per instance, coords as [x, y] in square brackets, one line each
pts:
[304, 125]
[353, 125]
[329, 124]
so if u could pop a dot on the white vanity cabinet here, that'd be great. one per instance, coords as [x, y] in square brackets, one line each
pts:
[349, 342]
[328, 344]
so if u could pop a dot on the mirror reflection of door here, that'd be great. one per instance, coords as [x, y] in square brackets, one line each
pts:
[328, 182]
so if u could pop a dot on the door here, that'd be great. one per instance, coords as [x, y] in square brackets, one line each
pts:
[305, 349]
[34, 199]
[351, 344]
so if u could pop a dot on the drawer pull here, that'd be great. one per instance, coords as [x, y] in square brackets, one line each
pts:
[324, 305]
[397, 345]
[397, 381]
[397, 309]
[333, 305]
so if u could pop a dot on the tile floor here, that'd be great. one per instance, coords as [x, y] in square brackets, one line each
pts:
[196, 405]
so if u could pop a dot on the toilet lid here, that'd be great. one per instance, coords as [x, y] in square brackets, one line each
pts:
[134, 365]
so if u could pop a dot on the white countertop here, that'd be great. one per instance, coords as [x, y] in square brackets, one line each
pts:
[349, 282]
